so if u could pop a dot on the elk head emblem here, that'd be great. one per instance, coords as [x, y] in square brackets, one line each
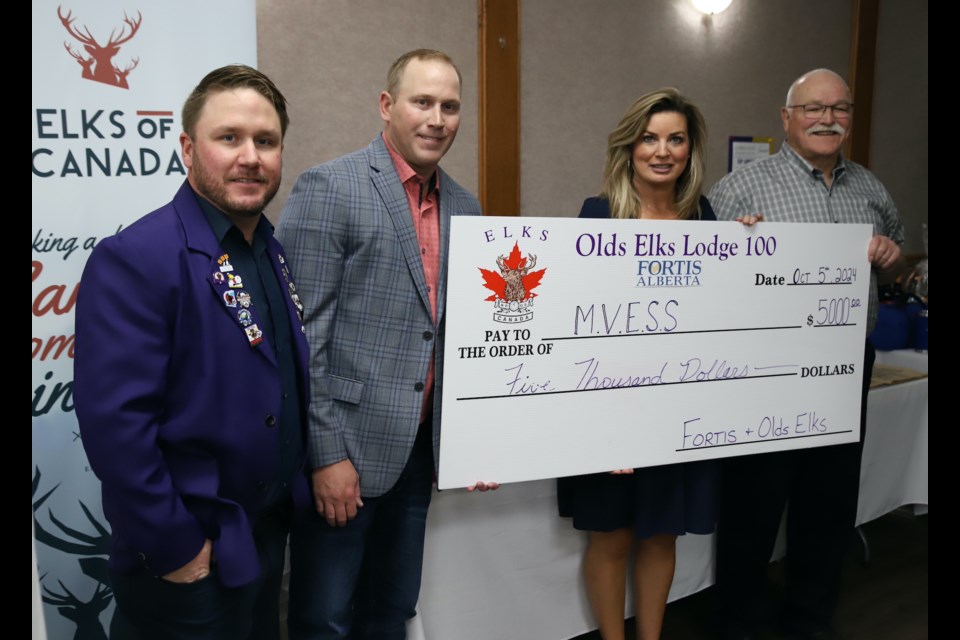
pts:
[514, 277]
[99, 65]
[512, 286]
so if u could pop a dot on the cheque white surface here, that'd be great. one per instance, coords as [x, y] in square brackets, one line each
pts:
[577, 346]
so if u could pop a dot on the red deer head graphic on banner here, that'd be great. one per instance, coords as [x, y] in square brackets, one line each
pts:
[99, 66]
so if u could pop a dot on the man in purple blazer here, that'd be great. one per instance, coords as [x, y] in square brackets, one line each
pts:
[190, 381]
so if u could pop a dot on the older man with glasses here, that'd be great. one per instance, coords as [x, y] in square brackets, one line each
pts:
[809, 180]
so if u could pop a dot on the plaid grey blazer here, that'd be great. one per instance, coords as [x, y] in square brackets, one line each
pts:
[353, 250]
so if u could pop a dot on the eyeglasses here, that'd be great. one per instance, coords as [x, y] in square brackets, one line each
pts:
[815, 111]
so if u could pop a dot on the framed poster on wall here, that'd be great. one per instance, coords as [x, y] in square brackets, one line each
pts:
[745, 149]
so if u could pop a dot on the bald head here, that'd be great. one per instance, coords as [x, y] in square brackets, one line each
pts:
[815, 76]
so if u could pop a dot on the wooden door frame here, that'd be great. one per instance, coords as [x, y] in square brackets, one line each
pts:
[499, 108]
[863, 67]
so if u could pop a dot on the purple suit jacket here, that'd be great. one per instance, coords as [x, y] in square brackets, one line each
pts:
[177, 411]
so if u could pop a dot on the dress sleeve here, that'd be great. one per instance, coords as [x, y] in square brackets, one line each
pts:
[595, 208]
[706, 211]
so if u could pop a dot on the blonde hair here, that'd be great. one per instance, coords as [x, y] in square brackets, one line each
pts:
[618, 170]
[395, 74]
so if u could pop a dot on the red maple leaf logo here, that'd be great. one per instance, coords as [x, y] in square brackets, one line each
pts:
[515, 268]
[493, 281]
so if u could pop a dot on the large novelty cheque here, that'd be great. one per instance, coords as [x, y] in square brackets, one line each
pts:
[579, 346]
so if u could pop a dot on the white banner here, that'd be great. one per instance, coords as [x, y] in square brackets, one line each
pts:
[579, 346]
[109, 80]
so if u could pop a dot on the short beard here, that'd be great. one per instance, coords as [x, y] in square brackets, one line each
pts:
[216, 193]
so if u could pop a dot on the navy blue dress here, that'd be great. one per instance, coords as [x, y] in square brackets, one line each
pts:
[673, 499]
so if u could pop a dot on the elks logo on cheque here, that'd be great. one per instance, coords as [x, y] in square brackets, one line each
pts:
[513, 286]
[99, 67]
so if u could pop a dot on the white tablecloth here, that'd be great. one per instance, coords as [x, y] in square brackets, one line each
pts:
[904, 358]
[503, 565]
[894, 468]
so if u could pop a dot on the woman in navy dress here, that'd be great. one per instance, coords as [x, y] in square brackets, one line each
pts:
[654, 171]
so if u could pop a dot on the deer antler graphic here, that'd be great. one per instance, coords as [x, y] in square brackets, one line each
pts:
[84, 614]
[67, 21]
[122, 75]
[104, 71]
[86, 63]
[93, 545]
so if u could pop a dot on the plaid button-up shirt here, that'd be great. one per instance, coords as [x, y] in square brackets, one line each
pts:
[785, 188]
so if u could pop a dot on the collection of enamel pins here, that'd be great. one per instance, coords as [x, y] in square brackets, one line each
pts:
[236, 298]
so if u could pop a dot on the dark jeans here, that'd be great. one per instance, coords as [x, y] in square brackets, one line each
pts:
[820, 488]
[151, 608]
[363, 580]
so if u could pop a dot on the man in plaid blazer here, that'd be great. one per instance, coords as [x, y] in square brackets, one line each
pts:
[367, 235]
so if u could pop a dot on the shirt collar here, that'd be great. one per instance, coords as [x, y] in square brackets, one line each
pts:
[405, 172]
[795, 159]
[222, 225]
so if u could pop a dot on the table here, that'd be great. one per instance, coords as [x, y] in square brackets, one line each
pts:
[894, 468]
[904, 358]
[504, 565]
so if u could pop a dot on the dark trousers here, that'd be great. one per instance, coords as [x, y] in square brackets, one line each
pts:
[151, 608]
[819, 488]
[363, 580]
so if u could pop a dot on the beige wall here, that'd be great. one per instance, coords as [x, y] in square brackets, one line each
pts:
[330, 58]
[898, 149]
[583, 67]
[582, 64]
